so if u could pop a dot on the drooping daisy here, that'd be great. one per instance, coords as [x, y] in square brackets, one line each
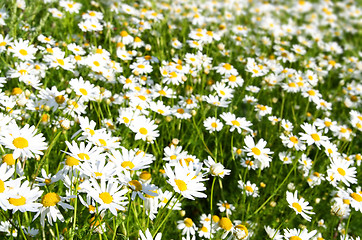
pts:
[187, 226]
[299, 205]
[216, 169]
[25, 142]
[50, 202]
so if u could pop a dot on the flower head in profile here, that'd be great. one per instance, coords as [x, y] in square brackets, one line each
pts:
[216, 169]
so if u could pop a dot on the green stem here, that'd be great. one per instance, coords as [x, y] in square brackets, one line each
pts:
[164, 220]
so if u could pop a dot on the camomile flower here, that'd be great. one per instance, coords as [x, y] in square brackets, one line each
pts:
[226, 207]
[237, 123]
[108, 194]
[258, 151]
[299, 205]
[354, 197]
[341, 170]
[311, 135]
[250, 188]
[84, 89]
[298, 234]
[48, 179]
[213, 124]
[292, 141]
[226, 69]
[23, 198]
[25, 142]
[144, 128]
[165, 197]
[22, 50]
[84, 152]
[185, 181]
[50, 202]
[187, 226]
[129, 159]
[138, 188]
[216, 169]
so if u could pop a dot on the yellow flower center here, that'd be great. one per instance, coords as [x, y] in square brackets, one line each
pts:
[181, 185]
[91, 208]
[71, 161]
[315, 137]
[311, 92]
[2, 186]
[145, 175]
[17, 201]
[295, 238]
[60, 99]
[242, 228]
[341, 171]
[249, 189]
[83, 91]
[293, 139]
[225, 224]
[232, 78]
[128, 164]
[20, 142]
[60, 61]
[98, 174]
[9, 159]
[214, 125]
[256, 151]
[188, 222]
[143, 131]
[162, 92]
[204, 229]
[136, 184]
[106, 197]
[356, 197]
[227, 66]
[83, 156]
[102, 142]
[235, 123]
[50, 199]
[23, 52]
[96, 63]
[297, 206]
[124, 34]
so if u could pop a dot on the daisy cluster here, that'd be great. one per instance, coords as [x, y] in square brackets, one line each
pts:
[181, 119]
